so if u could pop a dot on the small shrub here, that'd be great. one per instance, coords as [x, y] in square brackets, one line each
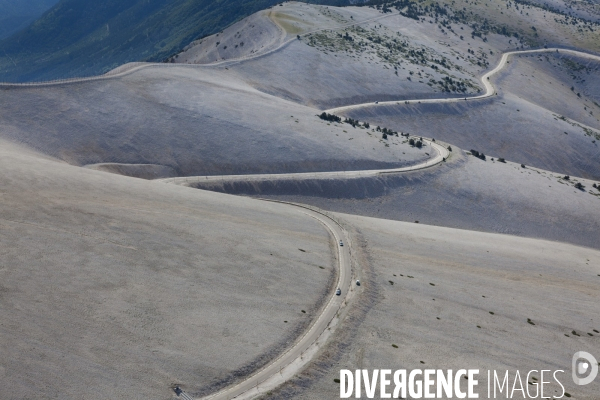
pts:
[522, 165]
[502, 160]
[419, 144]
[449, 148]
[478, 154]
[384, 136]
[566, 177]
[395, 346]
[411, 141]
[579, 186]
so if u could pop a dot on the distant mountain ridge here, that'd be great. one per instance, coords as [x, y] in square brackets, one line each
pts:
[18, 14]
[82, 37]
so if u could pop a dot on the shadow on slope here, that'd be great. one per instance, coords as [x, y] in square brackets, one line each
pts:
[465, 193]
[184, 120]
[505, 126]
[124, 287]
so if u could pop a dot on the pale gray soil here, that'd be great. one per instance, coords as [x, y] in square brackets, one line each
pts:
[504, 126]
[339, 77]
[554, 285]
[521, 125]
[187, 121]
[114, 287]
[465, 193]
[547, 79]
[255, 34]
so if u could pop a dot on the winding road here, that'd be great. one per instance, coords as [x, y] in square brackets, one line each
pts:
[306, 347]
[287, 364]
[489, 88]
[130, 68]
[291, 361]
[441, 153]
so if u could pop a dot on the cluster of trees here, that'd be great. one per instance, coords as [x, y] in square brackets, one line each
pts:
[407, 8]
[387, 132]
[384, 131]
[330, 117]
[352, 121]
[479, 155]
[417, 143]
[447, 84]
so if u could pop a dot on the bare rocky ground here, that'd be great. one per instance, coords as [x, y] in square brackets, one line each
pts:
[522, 124]
[507, 126]
[465, 193]
[452, 299]
[114, 287]
[182, 120]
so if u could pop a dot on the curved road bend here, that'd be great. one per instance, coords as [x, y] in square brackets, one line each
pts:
[292, 360]
[441, 154]
[287, 363]
[489, 88]
[124, 70]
